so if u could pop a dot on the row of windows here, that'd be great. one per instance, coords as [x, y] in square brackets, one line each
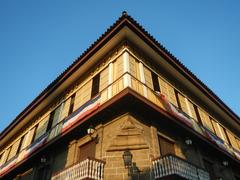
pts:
[155, 82]
[87, 91]
[187, 106]
[100, 81]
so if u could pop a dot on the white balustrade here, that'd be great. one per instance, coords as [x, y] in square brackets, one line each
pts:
[171, 165]
[87, 169]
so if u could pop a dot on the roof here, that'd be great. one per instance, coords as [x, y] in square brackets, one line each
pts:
[124, 20]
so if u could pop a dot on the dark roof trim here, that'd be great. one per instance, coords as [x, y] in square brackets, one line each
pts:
[127, 20]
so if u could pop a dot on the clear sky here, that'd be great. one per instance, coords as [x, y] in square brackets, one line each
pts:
[39, 39]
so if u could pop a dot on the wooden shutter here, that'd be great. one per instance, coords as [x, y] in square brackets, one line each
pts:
[103, 79]
[238, 142]
[168, 91]
[192, 111]
[182, 102]
[87, 150]
[14, 148]
[217, 129]
[223, 133]
[205, 119]
[166, 146]
[42, 127]
[118, 68]
[83, 95]
[134, 67]
[65, 109]
[24, 137]
[4, 156]
[30, 136]
[232, 139]
[148, 77]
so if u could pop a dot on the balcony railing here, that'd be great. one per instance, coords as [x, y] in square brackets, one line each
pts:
[87, 169]
[171, 165]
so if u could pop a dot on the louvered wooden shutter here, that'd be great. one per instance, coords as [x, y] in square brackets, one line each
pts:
[65, 109]
[232, 139]
[168, 91]
[134, 67]
[118, 68]
[163, 87]
[183, 103]
[30, 136]
[148, 77]
[5, 155]
[205, 119]
[42, 127]
[103, 79]
[192, 110]
[83, 95]
[216, 128]
[14, 148]
[223, 133]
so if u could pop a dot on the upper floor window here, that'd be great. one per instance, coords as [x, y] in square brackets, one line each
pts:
[20, 144]
[71, 106]
[95, 85]
[166, 146]
[156, 85]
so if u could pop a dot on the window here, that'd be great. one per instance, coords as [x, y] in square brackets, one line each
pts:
[20, 144]
[71, 104]
[209, 167]
[156, 85]
[34, 133]
[166, 146]
[42, 127]
[87, 150]
[54, 117]
[8, 153]
[232, 140]
[197, 114]
[206, 121]
[95, 85]
[1, 155]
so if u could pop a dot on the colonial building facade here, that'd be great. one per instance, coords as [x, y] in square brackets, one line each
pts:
[125, 109]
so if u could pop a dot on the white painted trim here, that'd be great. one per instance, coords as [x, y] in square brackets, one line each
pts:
[126, 68]
[110, 79]
[142, 78]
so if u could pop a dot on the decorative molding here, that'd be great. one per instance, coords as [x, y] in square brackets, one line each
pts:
[128, 136]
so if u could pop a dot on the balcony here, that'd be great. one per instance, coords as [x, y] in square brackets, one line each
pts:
[87, 169]
[172, 167]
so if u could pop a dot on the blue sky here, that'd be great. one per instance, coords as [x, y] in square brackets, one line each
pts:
[39, 39]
